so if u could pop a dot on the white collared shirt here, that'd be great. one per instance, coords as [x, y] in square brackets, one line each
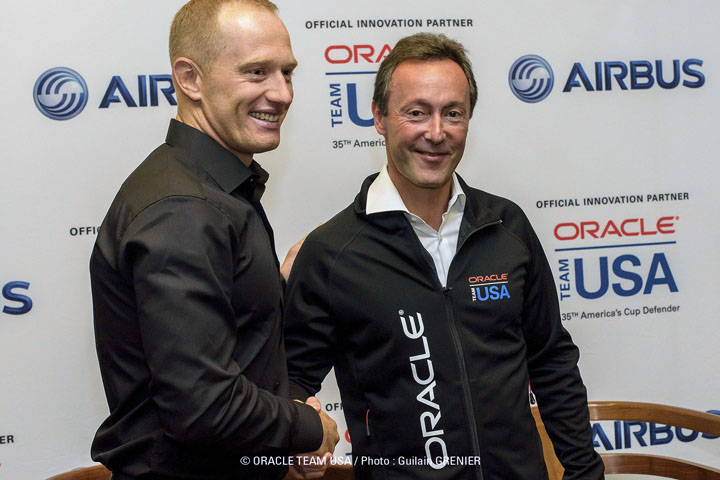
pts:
[442, 244]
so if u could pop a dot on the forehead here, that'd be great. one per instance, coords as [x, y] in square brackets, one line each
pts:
[251, 33]
[436, 80]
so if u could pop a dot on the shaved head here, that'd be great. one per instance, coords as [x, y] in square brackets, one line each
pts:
[194, 32]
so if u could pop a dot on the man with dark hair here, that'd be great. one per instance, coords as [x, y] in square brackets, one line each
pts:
[435, 303]
[187, 291]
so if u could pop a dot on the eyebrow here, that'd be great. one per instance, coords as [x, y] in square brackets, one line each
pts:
[262, 62]
[424, 103]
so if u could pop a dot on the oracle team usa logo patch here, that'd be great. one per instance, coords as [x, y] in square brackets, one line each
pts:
[485, 288]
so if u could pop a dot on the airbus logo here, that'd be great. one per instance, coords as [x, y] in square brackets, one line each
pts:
[531, 78]
[60, 93]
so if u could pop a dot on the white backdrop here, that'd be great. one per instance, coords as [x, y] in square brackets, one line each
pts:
[649, 335]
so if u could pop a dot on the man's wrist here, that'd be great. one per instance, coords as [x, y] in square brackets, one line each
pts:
[297, 392]
[309, 433]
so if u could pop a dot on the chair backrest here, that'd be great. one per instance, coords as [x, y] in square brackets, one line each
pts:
[637, 463]
[99, 472]
[96, 472]
[614, 462]
[666, 415]
[333, 472]
[339, 472]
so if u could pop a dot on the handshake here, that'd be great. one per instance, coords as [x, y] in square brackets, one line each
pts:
[316, 468]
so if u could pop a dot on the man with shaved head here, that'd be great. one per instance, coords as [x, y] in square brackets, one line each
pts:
[187, 289]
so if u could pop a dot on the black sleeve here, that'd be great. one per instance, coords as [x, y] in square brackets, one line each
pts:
[309, 321]
[554, 375]
[181, 262]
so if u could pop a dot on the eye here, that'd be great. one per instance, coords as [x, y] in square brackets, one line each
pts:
[288, 73]
[454, 114]
[416, 113]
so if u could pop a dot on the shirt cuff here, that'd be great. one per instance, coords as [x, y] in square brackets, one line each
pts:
[309, 434]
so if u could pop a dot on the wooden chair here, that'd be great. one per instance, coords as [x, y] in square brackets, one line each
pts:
[339, 472]
[631, 463]
[334, 472]
[99, 472]
[96, 472]
[554, 467]
[638, 463]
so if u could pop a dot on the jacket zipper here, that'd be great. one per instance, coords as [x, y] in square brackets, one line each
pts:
[461, 359]
[456, 339]
[465, 382]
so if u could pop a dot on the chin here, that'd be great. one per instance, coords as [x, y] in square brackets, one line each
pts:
[434, 182]
[261, 147]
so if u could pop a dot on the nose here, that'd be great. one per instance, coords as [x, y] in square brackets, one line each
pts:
[435, 132]
[280, 89]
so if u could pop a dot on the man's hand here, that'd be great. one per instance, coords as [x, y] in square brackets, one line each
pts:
[289, 260]
[315, 403]
[330, 435]
[314, 464]
[287, 266]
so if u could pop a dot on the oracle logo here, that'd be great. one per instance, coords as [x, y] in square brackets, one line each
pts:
[495, 277]
[340, 54]
[629, 227]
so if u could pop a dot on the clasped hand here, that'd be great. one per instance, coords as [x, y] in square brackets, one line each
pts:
[314, 464]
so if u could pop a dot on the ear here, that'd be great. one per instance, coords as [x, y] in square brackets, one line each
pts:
[188, 78]
[379, 119]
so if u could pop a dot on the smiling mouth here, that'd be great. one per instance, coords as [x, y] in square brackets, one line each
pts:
[433, 154]
[265, 116]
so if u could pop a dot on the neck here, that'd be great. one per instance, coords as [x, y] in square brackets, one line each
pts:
[427, 203]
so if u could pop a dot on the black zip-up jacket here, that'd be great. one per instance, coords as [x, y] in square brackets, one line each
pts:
[434, 381]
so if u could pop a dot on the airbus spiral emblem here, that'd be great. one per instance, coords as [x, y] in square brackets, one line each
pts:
[60, 93]
[531, 78]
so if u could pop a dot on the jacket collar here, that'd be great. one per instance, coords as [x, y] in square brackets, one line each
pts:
[383, 196]
[476, 213]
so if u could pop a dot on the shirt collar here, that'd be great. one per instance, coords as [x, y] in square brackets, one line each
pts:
[228, 171]
[382, 195]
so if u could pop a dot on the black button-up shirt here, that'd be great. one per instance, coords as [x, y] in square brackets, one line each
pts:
[187, 302]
